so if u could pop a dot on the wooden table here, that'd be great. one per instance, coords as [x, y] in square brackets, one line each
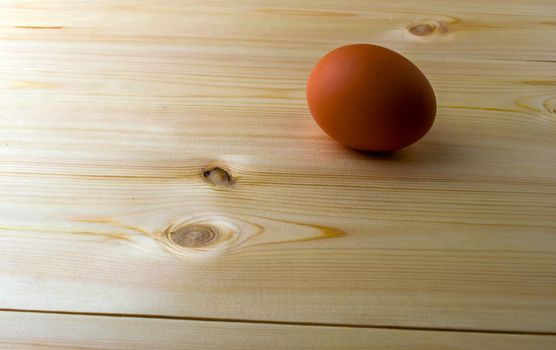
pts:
[163, 185]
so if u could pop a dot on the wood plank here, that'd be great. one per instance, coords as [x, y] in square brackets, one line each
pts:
[53, 331]
[108, 124]
[518, 30]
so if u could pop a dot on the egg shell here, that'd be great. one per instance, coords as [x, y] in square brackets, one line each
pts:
[370, 98]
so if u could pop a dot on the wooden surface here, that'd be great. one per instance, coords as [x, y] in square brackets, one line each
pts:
[157, 159]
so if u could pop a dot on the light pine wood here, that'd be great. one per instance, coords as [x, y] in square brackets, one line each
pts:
[157, 157]
[24, 331]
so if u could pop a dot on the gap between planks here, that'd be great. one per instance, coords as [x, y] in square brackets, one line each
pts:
[289, 323]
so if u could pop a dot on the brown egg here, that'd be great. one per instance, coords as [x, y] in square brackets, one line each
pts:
[370, 98]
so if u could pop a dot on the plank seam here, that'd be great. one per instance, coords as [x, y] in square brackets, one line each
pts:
[270, 322]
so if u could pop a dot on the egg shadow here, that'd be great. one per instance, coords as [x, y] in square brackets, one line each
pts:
[424, 152]
[398, 155]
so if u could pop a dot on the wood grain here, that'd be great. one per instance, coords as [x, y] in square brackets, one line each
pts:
[115, 114]
[24, 331]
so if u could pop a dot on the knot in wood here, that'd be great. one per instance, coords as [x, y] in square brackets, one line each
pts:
[194, 236]
[550, 106]
[206, 235]
[422, 29]
[217, 176]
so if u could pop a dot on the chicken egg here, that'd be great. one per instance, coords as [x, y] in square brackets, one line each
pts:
[370, 98]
